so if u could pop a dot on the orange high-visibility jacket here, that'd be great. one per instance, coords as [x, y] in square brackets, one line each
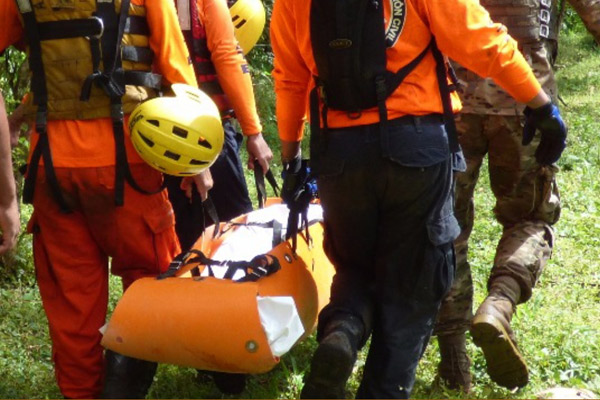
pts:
[463, 31]
[90, 143]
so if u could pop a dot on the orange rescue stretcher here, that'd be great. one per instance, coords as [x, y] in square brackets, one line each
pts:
[192, 317]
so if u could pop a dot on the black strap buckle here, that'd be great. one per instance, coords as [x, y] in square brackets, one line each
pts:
[41, 121]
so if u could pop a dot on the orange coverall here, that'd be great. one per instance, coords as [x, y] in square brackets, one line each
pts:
[72, 251]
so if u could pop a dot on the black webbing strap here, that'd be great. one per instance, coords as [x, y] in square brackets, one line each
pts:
[209, 208]
[137, 25]
[260, 266]
[73, 28]
[141, 78]
[88, 27]
[137, 54]
[442, 77]
[294, 217]
[111, 43]
[318, 135]
[277, 233]
[112, 81]
[396, 79]
[259, 181]
[384, 87]
[382, 95]
[40, 98]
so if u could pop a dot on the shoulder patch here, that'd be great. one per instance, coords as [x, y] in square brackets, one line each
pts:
[396, 22]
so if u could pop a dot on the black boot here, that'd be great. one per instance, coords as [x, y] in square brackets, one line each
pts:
[334, 359]
[229, 383]
[127, 377]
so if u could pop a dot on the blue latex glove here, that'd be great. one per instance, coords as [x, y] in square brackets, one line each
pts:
[554, 132]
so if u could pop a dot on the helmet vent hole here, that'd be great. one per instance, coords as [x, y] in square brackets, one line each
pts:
[180, 132]
[238, 25]
[154, 122]
[149, 142]
[197, 162]
[172, 155]
[204, 143]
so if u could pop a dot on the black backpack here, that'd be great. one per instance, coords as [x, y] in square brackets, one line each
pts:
[349, 43]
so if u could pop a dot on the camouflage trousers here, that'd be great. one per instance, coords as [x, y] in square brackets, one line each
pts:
[527, 204]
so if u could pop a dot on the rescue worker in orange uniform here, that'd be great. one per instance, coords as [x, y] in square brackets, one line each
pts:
[9, 209]
[385, 172]
[222, 73]
[93, 196]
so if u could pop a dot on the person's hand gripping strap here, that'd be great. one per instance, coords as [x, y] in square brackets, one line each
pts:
[553, 132]
[298, 189]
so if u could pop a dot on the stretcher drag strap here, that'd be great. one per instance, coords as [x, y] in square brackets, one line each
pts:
[304, 190]
[209, 208]
[260, 266]
[259, 181]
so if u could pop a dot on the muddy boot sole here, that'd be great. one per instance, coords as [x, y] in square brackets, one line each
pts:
[330, 369]
[505, 364]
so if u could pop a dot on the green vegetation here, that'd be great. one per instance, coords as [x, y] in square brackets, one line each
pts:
[557, 329]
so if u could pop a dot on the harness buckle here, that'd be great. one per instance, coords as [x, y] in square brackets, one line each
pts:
[545, 16]
[100, 28]
[40, 121]
[544, 31]
[546, 3]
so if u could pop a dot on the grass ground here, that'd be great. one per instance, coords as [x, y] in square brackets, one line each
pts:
[558, 328]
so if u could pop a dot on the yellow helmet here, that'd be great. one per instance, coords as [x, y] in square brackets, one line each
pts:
[248, 18]
[180, 135]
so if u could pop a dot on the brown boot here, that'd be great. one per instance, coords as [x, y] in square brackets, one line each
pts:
[491, 331]
[455, 366]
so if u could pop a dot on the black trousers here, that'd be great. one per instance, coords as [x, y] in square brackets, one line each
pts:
[229, 193]
[389, 228]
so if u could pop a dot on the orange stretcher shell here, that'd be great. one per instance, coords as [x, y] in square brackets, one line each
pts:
[213, 324]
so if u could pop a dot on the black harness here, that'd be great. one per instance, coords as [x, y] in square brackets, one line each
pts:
[105, 32]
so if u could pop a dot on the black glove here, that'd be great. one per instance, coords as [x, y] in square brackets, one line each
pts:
[554, 132]
[299, 188]
[293, 179]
